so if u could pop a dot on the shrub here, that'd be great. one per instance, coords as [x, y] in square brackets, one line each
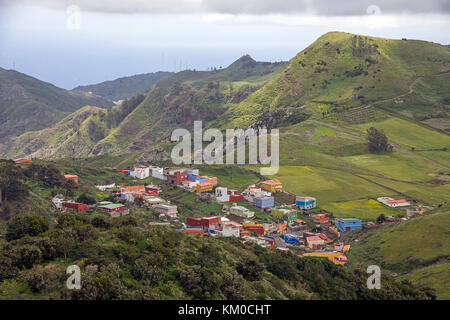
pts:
[28, 224]
[250, 269]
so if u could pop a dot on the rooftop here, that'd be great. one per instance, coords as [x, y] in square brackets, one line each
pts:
[112, 206]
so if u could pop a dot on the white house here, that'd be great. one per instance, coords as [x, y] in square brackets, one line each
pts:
[157, 173]
[222, 195]
[109, 186]
[228, 229]
[140, 172]
[393, 203]
[241, 212]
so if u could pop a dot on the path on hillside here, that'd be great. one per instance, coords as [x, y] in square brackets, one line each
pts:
[410, 88]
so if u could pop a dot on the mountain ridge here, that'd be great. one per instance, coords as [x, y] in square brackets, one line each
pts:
[27, 103]
[125, 87]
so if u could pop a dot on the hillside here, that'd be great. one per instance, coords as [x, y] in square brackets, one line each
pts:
[245, 70]
[134, 125]
[125, 87]
[320, 142]
[340, 72]
[418, 250]
[27, 103]
[128, 258]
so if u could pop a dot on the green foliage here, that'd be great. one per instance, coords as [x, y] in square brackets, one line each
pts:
[250, 269]
[86, 199]
[378, 142]
[12, 186]
[25, 224]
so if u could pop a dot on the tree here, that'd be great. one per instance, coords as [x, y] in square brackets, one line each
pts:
[86, 199]
[250, 269]
[139, 202]
[381, 218]
[378, 142]
[22, 225]
[12, 186]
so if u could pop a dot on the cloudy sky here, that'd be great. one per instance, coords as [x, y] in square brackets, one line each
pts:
[75, 42]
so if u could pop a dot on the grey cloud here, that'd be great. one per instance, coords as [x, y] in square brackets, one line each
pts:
[327, 7]
[256, 7]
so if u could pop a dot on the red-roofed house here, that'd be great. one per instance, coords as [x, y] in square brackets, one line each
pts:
[314, 242]
[71, 177]
[22, 160]
[203, 221]
[321, 218]
[77, 207]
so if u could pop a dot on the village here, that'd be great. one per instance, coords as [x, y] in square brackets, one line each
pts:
[262, 213]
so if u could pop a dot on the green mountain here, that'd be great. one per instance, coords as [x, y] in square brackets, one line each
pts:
[417, 250]
[245, 70]
[126, 87]
[136, 124]
[341, 72]
[27, 103]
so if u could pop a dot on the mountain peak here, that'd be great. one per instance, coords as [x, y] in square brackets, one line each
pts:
[246, 61]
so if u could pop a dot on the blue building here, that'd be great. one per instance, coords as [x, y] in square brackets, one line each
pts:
[290, 238]
[264, 202]
[348, 224]
[305, 203]
[194, 177]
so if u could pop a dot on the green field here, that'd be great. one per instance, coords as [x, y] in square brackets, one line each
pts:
[417, 249]
[366, 209]
[408, 134]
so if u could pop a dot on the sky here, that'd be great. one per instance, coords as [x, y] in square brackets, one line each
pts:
[79, 42]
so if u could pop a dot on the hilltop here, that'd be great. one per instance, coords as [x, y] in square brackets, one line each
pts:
[27, 103]
[125, 87]
[341, 72]
[245, 70]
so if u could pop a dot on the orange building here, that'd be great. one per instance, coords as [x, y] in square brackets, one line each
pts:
[272, 185]
[194, 231]
[137, 189]
[22, 160]
[335, 257]
[202, 187]
[71, 177]
[321, 218]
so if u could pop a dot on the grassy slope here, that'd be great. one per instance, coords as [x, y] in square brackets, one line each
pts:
[125, 87]
[327, 73]
[418, 250]
[30, 104]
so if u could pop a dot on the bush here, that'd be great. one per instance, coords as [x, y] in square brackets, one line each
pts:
[36, 282]
[250, 269]
[30, 255]
[86, 199]
[7, 268]
[378, 142]
[28, 224]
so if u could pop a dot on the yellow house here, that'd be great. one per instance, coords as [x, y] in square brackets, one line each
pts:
[202, 187]
[335, 257]
[272, 185]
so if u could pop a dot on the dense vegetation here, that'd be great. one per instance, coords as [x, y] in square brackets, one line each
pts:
[378, 142]
[127, 259]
